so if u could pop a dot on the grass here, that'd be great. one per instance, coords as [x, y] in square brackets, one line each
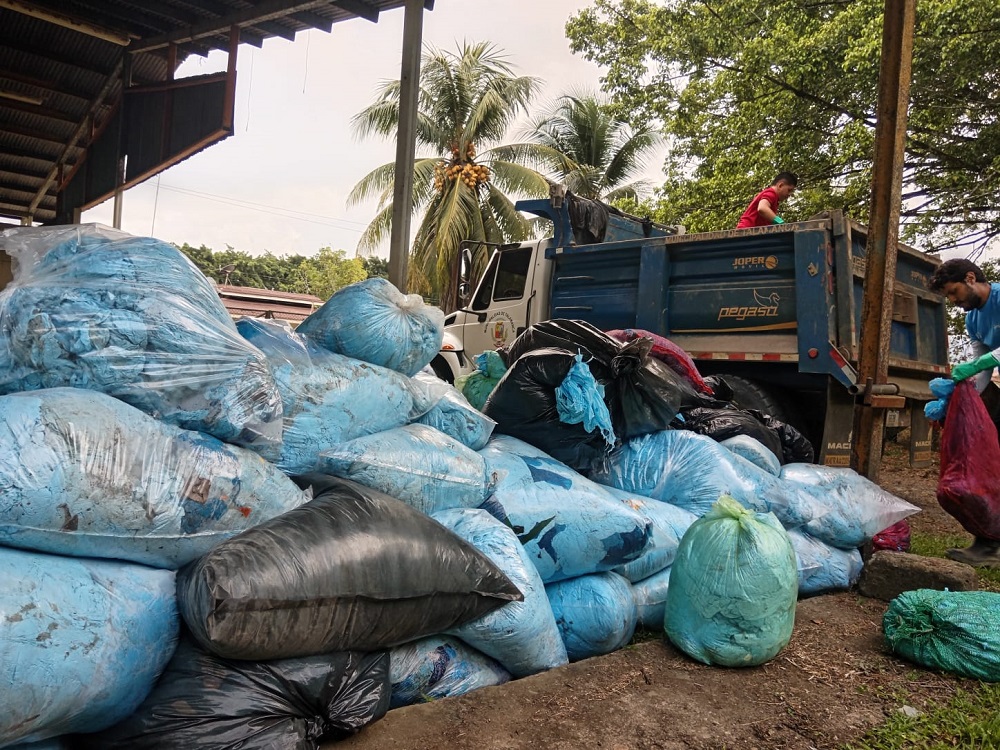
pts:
[970, 720]
[930, 545]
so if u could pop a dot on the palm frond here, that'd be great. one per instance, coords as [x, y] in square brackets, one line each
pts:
[518, 179]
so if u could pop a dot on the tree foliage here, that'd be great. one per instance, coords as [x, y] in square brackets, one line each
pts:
[744, 90]
[467, 100]
[321, 274]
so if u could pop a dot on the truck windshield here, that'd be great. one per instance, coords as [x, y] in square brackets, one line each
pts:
[505, 278]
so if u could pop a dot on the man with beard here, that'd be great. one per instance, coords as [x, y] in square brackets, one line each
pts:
[965, 285]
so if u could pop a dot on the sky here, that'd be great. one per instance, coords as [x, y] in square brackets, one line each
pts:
[280, 182]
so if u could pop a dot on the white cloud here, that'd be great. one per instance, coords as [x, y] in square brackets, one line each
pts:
[280, 182]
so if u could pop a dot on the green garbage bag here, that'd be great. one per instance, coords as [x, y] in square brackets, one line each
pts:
[733, 587]
[479, 384]
[954, 631]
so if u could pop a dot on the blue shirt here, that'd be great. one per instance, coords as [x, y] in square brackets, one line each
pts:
[983, 324]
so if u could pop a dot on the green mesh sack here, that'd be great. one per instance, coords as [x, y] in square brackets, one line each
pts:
[733, 588]
[954, 631]
[479, 384]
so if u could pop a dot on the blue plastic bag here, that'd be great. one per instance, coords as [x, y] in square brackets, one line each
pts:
[596, 614]
[522, 636]
[693, 471]
[329, 399]
[753, 451]
[455, 417]
[580, 400]
[856, 508]
[668, 524]
[650, 596]
[439, 667]
[94, 308]
[82, 642]
[374, 322]
[87, 475]
[733, 588]
[424, 468]
[822, 567]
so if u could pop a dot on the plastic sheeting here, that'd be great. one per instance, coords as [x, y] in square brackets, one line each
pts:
[857, 508]
[84, 474]
[822, 567]
[479, 384]
[753, 451]
[954, 631]
[203, 702]
[91, 307]
[329, 399]
[693, 471]
[375, 322]
[596, 614]
[455, 417]
[733, 588]
[353, 569]
[522, 636]
[650, 596]
[668, 524]
[81, 642]
[440, 667]
[424, 468]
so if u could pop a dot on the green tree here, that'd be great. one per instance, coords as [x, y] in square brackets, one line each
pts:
[330, 270]
[467, 100]
[581, 143]
[744, 90]
[376, 266]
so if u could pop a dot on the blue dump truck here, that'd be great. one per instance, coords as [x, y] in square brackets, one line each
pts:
[776, 310]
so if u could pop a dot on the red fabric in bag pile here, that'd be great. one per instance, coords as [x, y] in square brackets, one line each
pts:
[969, 483]
[895, 538]
[669, 354]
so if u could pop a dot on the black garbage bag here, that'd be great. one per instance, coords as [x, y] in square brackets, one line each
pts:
[642, 393]
[726, 422]
[523, 404]
[203, 702]
[795, 447]
[351, 570]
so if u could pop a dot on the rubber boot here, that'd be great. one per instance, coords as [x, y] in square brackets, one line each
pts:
[983, 553]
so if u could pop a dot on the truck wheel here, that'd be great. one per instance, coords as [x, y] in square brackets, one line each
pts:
[749, 394]
[442, 370]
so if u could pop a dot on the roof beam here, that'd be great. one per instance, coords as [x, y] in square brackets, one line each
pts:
[358, 8]
[36, 109]
[19, 153]
[114, 36]
[39, 83]
[67, 60]
[313, 20]
[34, 133]
[259, 13]
[33, 174]
[15, 187]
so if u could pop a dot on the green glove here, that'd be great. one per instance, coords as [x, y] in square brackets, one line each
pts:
[968, 369]
[778, 220]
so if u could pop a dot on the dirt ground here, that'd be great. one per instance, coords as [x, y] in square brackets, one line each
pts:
[834, 681]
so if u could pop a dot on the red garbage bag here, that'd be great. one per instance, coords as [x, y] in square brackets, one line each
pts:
[895, 538]
[968, 486]
[669, 353]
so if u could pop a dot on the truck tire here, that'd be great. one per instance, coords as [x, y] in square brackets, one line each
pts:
[749, 394]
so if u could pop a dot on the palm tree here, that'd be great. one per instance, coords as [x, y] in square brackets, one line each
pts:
[467, 100]
[580, 143]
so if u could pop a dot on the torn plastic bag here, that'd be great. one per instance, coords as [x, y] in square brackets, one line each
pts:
[970, 464]
[203, 702]
[524, 406]
[87, 475]
[642, 394]
[733, 588]
[81, 641]
[479, 384]
[667, 525]
[723, 423]
[375, 322]
[693, 471]
[953, 631]
[352, 570]
[596, 614]
[440, 667]
[856, 507]
[521, 635]
[824, 568]
[895, 538]
[669, 353]
[569, 525]
[650, 596]
[456, 417]
[424, 468]
[330, 399]
[753, 451]
[91, 307]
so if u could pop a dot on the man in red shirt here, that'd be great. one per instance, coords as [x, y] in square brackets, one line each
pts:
[763, 209]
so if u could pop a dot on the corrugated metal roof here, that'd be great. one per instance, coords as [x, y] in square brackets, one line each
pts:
[60, 63]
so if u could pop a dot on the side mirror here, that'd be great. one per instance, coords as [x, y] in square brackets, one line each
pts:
[464, 290]
[465, 266]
